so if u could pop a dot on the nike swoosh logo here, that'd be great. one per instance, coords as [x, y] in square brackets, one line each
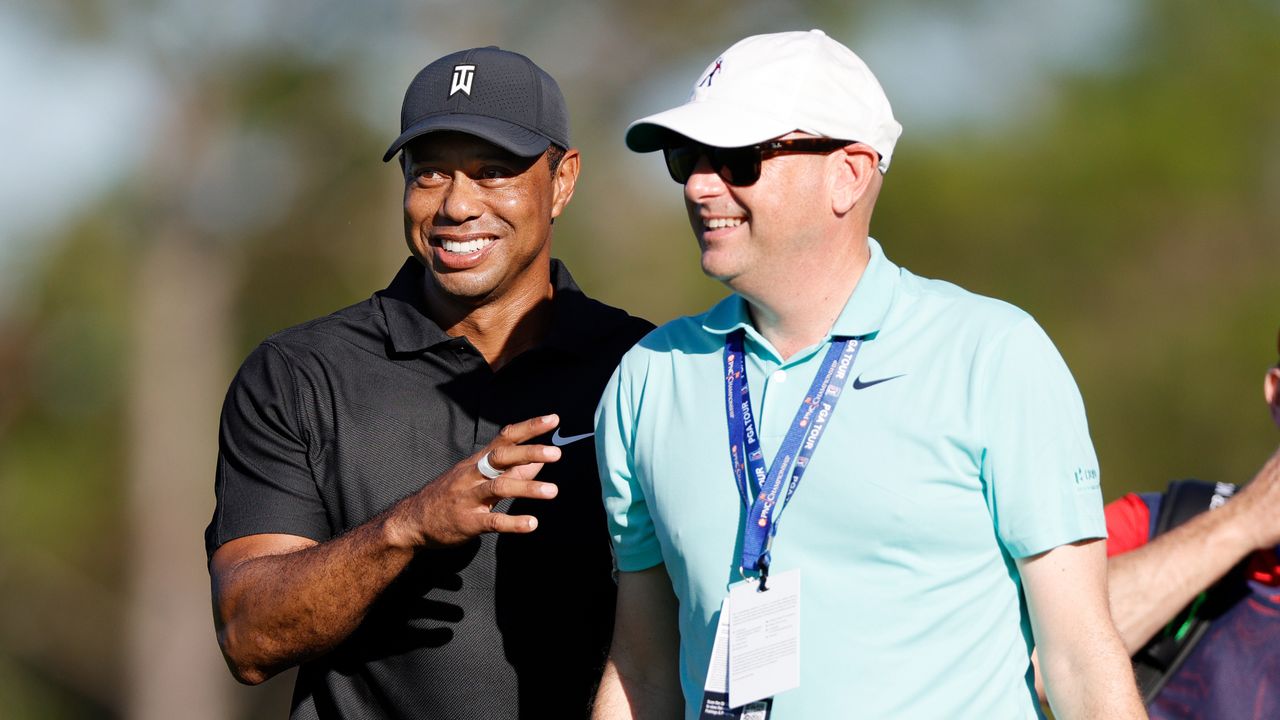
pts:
[560, 440]
[859, 385]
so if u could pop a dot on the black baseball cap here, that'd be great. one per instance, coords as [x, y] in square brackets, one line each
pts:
[497, 95]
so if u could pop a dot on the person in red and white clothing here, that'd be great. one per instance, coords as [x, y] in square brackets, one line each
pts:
[1233, 671]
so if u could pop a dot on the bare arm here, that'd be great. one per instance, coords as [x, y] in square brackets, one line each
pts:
[641, 678]
[281, 599]
[1190, 558]
[1086, 669]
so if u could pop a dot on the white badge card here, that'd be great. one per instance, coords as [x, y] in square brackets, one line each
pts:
[764, 638]
[715, 692]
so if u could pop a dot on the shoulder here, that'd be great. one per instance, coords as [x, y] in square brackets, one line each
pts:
[992, 343]
[582, 320]
[302, 354]
[961, 309]
[361, 325]
[681, 336]
[613, 329]
[675, 347]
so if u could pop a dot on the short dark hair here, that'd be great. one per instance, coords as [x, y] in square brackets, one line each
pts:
[555, 154]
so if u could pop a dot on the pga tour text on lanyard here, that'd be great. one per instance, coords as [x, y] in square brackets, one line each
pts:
[763, 508]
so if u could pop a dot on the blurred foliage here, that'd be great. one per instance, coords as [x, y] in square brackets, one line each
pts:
[1138, 223]
[1134, 213]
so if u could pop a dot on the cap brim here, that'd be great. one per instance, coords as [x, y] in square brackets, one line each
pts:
[513, 138]
[718, 124]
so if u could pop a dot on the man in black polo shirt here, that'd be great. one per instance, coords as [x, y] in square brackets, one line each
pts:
[378, 519]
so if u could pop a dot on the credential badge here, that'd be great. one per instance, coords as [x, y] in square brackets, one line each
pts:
[462, 76]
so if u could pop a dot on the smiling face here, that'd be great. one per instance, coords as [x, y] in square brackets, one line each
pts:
[479, 218]
[754, 236]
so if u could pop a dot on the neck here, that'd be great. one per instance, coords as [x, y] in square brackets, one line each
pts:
[500, 328]
[800, 310]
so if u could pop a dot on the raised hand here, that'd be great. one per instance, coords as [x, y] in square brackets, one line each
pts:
[458, 505]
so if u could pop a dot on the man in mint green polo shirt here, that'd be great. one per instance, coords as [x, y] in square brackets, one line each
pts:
[899, 494]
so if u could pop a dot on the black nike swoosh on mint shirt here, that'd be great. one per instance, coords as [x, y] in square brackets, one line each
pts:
[859, 385]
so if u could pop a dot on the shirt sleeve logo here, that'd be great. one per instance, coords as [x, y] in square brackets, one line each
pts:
[1087, 478]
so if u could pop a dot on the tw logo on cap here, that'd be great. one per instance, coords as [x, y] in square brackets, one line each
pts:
[461, 82]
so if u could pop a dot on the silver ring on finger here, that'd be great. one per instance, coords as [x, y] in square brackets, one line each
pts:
[487, 469]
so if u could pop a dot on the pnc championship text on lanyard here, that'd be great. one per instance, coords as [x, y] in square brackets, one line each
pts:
[763, 508]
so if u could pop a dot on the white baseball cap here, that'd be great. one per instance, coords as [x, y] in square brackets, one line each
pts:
[766, 86]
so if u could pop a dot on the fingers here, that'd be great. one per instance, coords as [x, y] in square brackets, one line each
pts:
[517, 433]
[500, 523]
[473, 494]
[505, 453]
[509, 487]
[505, 457]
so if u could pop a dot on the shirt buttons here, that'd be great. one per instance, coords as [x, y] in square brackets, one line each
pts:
[778, 376]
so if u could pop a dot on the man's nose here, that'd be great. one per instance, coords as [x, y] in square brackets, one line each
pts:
[461, 199]
[704, 181]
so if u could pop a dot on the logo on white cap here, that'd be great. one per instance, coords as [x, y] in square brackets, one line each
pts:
[776, 84]
[462, 75]
[706, 81]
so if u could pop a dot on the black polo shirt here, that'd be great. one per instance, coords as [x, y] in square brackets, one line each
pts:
[330, 423]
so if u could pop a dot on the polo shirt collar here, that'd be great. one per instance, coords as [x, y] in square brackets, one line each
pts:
[862, 315]
[411, 329]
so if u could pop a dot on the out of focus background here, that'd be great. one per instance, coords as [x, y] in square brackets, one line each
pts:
[182, 178]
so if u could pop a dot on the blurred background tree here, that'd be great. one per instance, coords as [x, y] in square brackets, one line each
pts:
[185, 178]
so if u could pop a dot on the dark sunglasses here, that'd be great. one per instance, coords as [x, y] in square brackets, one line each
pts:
[740, 166]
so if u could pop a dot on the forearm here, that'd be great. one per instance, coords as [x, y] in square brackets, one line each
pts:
[281, 599]
[611, 700]
[641, 680]
[277, 610]
[1085, 668]
[1148, 586]
[1092, 678]
[633, 696]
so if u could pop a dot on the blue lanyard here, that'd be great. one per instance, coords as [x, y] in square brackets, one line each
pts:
[797, 447]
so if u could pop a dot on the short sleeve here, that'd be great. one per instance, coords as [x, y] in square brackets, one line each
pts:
[635, 545]
[263, 481]
[1039, 468]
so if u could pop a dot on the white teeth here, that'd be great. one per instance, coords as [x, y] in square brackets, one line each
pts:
[717, 223]
[467, 247]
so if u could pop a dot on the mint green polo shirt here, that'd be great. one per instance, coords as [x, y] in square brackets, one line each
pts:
[922, 492]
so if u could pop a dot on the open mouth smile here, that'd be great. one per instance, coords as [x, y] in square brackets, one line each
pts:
[465, 247]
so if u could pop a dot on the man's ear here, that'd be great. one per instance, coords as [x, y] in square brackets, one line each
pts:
[854, 173]
[1271, 391]
[564, 181]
